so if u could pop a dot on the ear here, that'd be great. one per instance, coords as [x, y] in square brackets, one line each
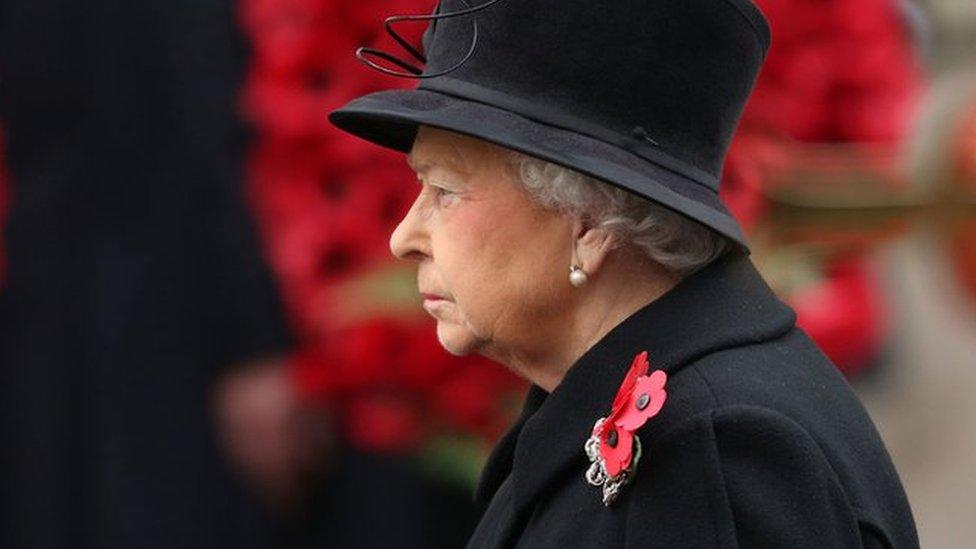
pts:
[593, 245]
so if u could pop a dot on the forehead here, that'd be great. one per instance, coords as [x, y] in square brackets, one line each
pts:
[434, 148]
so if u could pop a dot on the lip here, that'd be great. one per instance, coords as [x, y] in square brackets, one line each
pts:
[431, 297]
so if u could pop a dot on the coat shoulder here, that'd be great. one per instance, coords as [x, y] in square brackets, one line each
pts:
[772, 436]
[741, 476]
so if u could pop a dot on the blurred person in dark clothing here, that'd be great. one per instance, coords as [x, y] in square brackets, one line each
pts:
[133, 275]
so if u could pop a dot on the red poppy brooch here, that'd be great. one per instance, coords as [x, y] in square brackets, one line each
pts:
[613, 448]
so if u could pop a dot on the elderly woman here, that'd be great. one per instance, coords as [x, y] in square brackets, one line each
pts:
[568, 226]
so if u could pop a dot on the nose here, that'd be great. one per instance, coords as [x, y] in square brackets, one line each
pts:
[409, 239]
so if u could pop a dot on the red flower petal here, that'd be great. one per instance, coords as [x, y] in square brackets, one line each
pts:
[638, 367]
[633, 417]
[617, 457]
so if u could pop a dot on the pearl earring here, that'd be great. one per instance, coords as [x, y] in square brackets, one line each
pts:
[576, 276]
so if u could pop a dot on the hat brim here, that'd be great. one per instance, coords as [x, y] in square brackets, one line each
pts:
[390, 119]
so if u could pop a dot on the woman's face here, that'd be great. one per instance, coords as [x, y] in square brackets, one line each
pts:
[492, 266]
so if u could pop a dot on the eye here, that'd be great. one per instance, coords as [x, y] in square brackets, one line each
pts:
[442, 195]
[445, 197]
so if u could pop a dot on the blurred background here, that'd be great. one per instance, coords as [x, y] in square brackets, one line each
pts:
[204, 341]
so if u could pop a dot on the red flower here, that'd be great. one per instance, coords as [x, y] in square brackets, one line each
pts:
[639, 398]
[837, 71]
[645, 401]
[387, 423]
[844, 313]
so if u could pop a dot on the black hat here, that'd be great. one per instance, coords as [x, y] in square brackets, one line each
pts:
[643, 94]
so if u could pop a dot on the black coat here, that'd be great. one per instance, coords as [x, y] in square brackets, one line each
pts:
[761, 442]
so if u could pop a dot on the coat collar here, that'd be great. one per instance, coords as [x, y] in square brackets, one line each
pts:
[726, 304]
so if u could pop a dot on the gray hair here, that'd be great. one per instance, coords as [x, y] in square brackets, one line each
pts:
[672, 240]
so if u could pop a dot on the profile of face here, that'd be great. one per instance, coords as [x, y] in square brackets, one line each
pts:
[492, 265]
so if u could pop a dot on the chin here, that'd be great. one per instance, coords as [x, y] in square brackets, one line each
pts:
[456, 340]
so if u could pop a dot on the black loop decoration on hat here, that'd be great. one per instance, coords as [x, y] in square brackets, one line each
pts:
[412, 70]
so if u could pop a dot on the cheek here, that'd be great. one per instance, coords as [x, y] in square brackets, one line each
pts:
[529, 252]
[503, 264]
[465, 251]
